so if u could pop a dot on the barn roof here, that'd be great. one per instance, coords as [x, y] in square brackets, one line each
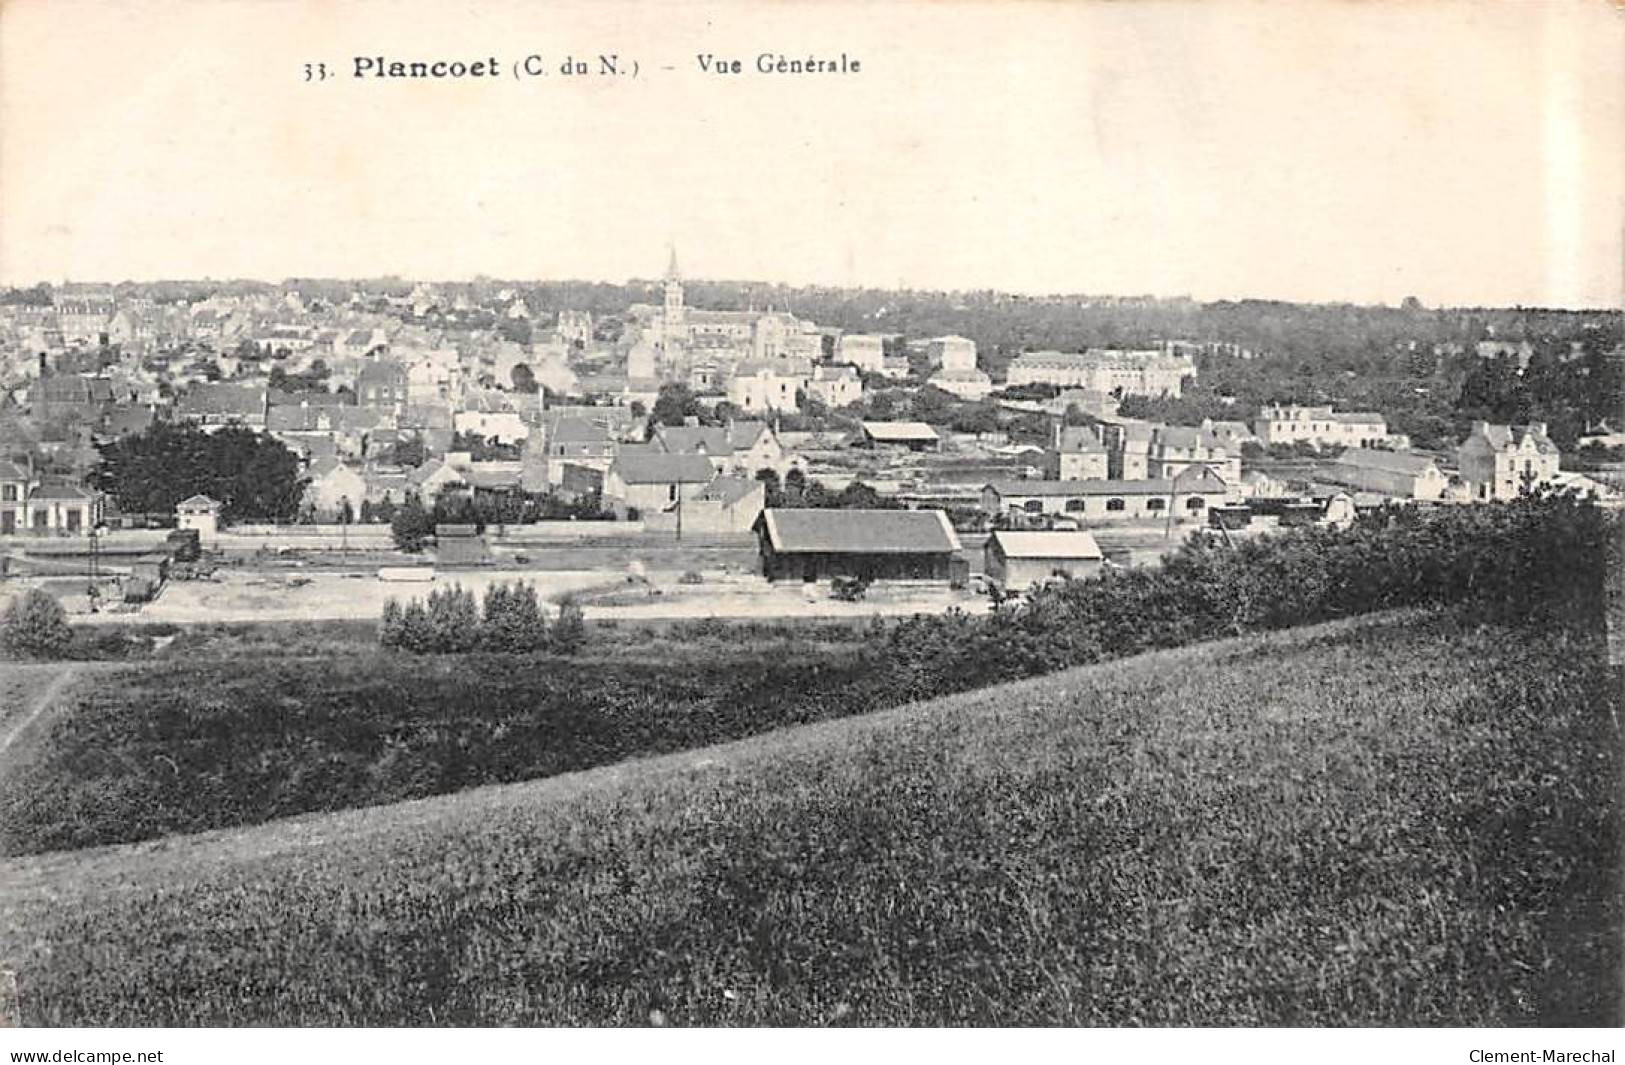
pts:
[1047, 544]
[876, 532]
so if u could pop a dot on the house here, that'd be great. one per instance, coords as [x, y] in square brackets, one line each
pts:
[768, 384]
[915, 436]
[865, 351]
[1496, 462]
[810, 545]
[971, 384]
[1321, 426]
[1173, 449]
[433, 477]
[383, 383]
[14, 485]
[1015, 560]
[1128, 448]
[332, 485]
[199, 513]
[1395, 473]
[835, 386]
[953, 354]
[726, 505]
[653, 481]
[1186, 498]
[1077, 455]
[29, 505]
[577, 441]
[737, 447]
[212, 405]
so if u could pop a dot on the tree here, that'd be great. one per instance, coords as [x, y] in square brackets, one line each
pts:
[254, 476]
[36, 625]
[675, 403]
[523, 378]
[570, 628]
[772, 490]
[513, 619]
[412, 525]
[411, 451]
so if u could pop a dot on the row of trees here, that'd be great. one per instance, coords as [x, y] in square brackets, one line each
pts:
[796, 490]
[451, 621]
[1540, 560]
[412, 524]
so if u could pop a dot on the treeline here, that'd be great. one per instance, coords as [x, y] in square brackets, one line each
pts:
[412, 524]
[451, 621]
[1539, 560]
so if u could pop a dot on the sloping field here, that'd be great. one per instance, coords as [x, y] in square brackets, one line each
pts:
[1396, 820]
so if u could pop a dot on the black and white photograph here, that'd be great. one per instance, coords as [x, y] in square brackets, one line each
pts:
[1067, 518]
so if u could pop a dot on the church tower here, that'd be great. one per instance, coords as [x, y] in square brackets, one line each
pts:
[673, 319]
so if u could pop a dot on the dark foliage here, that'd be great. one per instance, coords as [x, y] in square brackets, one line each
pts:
[252, 475]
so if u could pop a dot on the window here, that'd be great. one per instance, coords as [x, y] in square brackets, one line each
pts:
[1074, 506]
[1115, 504]
[9, 493]
[671, 492]
[1193, 503]
[1156, 503]
[1033, 506]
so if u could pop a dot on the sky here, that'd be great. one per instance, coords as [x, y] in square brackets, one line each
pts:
[1462, 153]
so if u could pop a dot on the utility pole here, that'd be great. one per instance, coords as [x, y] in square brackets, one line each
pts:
[679, 487]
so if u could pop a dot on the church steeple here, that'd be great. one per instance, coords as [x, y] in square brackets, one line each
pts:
[674, 300]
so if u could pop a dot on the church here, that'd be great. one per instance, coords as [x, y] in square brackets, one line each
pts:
[678, 342]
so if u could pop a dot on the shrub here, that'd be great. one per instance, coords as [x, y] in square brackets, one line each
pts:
[513, 619]
[454, 619]
[691, 577]
[36, 625]
[570, 629]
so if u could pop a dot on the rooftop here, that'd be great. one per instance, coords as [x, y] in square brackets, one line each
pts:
[1047, 544]
[890, 532]
[655, 468]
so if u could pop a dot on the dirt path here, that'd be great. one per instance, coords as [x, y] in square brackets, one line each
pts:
[41, 703]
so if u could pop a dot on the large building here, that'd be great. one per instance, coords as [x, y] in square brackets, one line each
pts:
[1322, 426]
[685, 336]
[1119, 373]
[1401, 474]
[1187, 497]
[1497, 462]
[810, 545]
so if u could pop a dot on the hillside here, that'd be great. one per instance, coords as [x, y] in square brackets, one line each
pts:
[1393, 820]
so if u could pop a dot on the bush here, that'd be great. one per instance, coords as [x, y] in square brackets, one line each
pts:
[36, 625]
[513, 619]
[570, 630]
[451, 622]
[691, 577]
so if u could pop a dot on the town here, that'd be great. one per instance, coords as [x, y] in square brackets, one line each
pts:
[652, 456]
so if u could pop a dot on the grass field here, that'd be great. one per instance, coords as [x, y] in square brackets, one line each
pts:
[194, 740]
[1393, 820]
